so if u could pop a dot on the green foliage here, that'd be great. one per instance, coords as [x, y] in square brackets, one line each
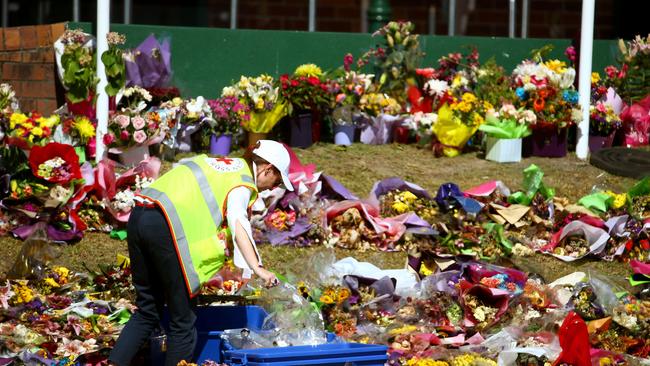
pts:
[79, 74]
[493, 84]
[115, 70]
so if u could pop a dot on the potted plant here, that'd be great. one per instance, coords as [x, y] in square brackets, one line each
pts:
[505, 130]
[228, 115]
[78, 74]
[192, 114]
[260, 96]
[603, 124]
[352, 86]
[306, 94]
[546, 87]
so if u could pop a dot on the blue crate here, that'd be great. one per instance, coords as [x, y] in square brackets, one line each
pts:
[331, 354]
[211, 321]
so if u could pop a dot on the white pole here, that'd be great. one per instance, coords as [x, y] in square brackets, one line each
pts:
[103, 25]
[451, 24]
[127, 11]
[584, 87]
[312, 15]
[233, 14]
[511, 18]
[524, 18]
[76, 10]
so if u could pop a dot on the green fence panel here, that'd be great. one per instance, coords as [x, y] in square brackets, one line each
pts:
[204, 60]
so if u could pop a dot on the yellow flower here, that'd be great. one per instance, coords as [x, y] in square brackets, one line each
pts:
[425, 362]
[48, 122]
[23, 294]
[478, 119]
[62, 272]
[84, 127]
[308, 70]
[343, 294]
[619, 199]
[407, 196]
[37, 131]
[50, 281]
[471, 360]
[487, 105]
[259, 104]
[595, 77]
[400, 207]
[556, 66]
[425, 270]
[469, 98]
[403, 330]
[325, 299]
[17, 119]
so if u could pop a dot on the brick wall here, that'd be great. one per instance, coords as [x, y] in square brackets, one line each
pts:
[27, 63]
[548, 18]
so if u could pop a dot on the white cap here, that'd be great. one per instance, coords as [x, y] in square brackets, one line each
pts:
[276, 154]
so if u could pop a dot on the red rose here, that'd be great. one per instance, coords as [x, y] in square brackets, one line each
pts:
[313, 80]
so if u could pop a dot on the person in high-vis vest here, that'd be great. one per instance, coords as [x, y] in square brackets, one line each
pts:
[177, 238]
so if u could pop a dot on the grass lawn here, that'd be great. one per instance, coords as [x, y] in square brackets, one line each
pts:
[358, 167]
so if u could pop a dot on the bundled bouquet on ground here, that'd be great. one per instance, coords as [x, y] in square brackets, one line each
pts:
[635, 82]
[457, 122]
[261, 98]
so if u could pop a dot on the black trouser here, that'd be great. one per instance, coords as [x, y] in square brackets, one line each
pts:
[158, 280]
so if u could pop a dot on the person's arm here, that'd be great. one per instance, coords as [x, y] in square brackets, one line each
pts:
[245, 254]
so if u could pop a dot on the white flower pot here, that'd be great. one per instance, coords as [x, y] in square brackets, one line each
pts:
[503, 150]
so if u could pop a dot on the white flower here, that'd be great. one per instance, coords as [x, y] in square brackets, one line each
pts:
[529, 87]
[567, 78]
[576, 115]
[508, 111]
[60, 193]
[55, 162]
[229, 91]
[142, 182]
[435, 87]
[528, 116]
[123, 201]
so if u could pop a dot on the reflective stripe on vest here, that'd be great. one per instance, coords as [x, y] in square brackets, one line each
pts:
[182, 246]
[208, 195]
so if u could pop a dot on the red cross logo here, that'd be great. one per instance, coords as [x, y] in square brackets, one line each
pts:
[226, 161]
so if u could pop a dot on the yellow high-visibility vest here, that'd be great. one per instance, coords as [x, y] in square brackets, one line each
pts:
[193, 197]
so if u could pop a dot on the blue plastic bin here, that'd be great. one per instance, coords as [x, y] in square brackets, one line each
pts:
[211, 321]
[331, 354]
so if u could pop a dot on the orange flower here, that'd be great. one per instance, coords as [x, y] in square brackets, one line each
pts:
[539, 104]
[543, 93]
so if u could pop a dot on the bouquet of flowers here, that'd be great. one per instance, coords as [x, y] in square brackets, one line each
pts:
[75, 130]
[114, 64]
[635, 83]
[398, 59]
[130, 126]
[602, 119]
[228, 115]
[509, 123]
[26, 130]
[374, 104]
[458, 121]
[261, 98]
[546, 87]
[353, 86]
[78, 63]
[8, 101]
[306, 89]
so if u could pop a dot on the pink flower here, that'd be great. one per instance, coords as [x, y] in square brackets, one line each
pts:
[600, 107]
[347, 61]
[109, 138]
[138, 122]
[611, 71]
[124, 135]
[340, 97]
[571, 53]
[139, 136]
[122, 120]
[92, 147]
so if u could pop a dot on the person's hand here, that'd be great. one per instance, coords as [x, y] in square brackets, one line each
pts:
[269, 278]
